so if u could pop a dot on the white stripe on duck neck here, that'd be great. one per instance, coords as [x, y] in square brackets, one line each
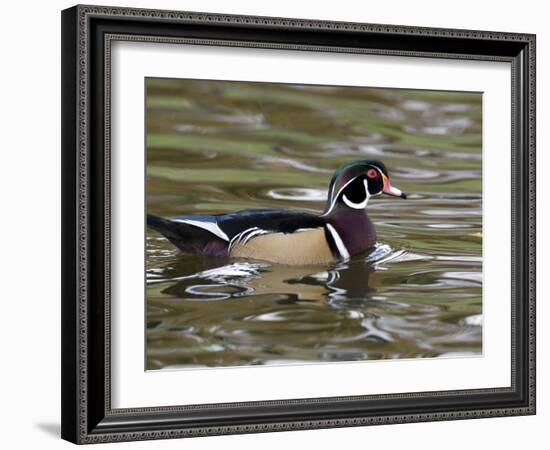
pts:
[344, 254]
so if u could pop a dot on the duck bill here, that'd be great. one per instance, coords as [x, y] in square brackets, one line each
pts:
[390, 190]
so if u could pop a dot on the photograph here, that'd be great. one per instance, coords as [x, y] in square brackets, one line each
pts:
[285, 222]
[310, 224]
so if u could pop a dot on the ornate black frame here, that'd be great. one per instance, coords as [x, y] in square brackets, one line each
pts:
[87, 32]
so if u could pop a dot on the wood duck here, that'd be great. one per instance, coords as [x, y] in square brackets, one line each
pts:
[286, 236]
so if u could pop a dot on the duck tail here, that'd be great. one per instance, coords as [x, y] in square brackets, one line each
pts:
[188, 238]
[163, 226]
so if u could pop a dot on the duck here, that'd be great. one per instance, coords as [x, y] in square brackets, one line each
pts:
[286, 236]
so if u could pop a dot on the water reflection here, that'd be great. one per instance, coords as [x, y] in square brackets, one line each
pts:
[227, 312]
[243, 279]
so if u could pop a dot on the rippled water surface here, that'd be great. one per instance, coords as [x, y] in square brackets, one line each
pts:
[221, 146]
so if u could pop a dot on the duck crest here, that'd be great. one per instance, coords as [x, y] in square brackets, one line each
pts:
[344, 175]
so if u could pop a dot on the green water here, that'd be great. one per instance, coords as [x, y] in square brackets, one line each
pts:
[218, 146]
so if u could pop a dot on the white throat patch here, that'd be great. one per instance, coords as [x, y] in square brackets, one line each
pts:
[348, 201]
[361, 205]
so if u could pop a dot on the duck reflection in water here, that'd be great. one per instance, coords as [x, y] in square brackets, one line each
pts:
[210, 280]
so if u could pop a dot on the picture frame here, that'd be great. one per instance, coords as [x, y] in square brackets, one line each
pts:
[88, 33]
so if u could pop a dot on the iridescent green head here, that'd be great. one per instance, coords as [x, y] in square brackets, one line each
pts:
[355, 182]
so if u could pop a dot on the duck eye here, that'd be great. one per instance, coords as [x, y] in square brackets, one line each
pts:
[372, 173]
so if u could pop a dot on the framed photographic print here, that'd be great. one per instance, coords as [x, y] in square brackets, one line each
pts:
[281, 224]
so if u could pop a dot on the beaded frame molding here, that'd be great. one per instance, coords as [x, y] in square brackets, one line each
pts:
[87, 35]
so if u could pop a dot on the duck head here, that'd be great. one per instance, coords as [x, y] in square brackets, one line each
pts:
[355, 182]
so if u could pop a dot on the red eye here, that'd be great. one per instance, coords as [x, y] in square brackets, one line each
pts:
[372, 173]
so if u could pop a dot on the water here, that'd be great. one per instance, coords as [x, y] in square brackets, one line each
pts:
[216, 146]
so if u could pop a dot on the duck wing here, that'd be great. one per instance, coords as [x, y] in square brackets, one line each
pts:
[269, 220]
[214, 234]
